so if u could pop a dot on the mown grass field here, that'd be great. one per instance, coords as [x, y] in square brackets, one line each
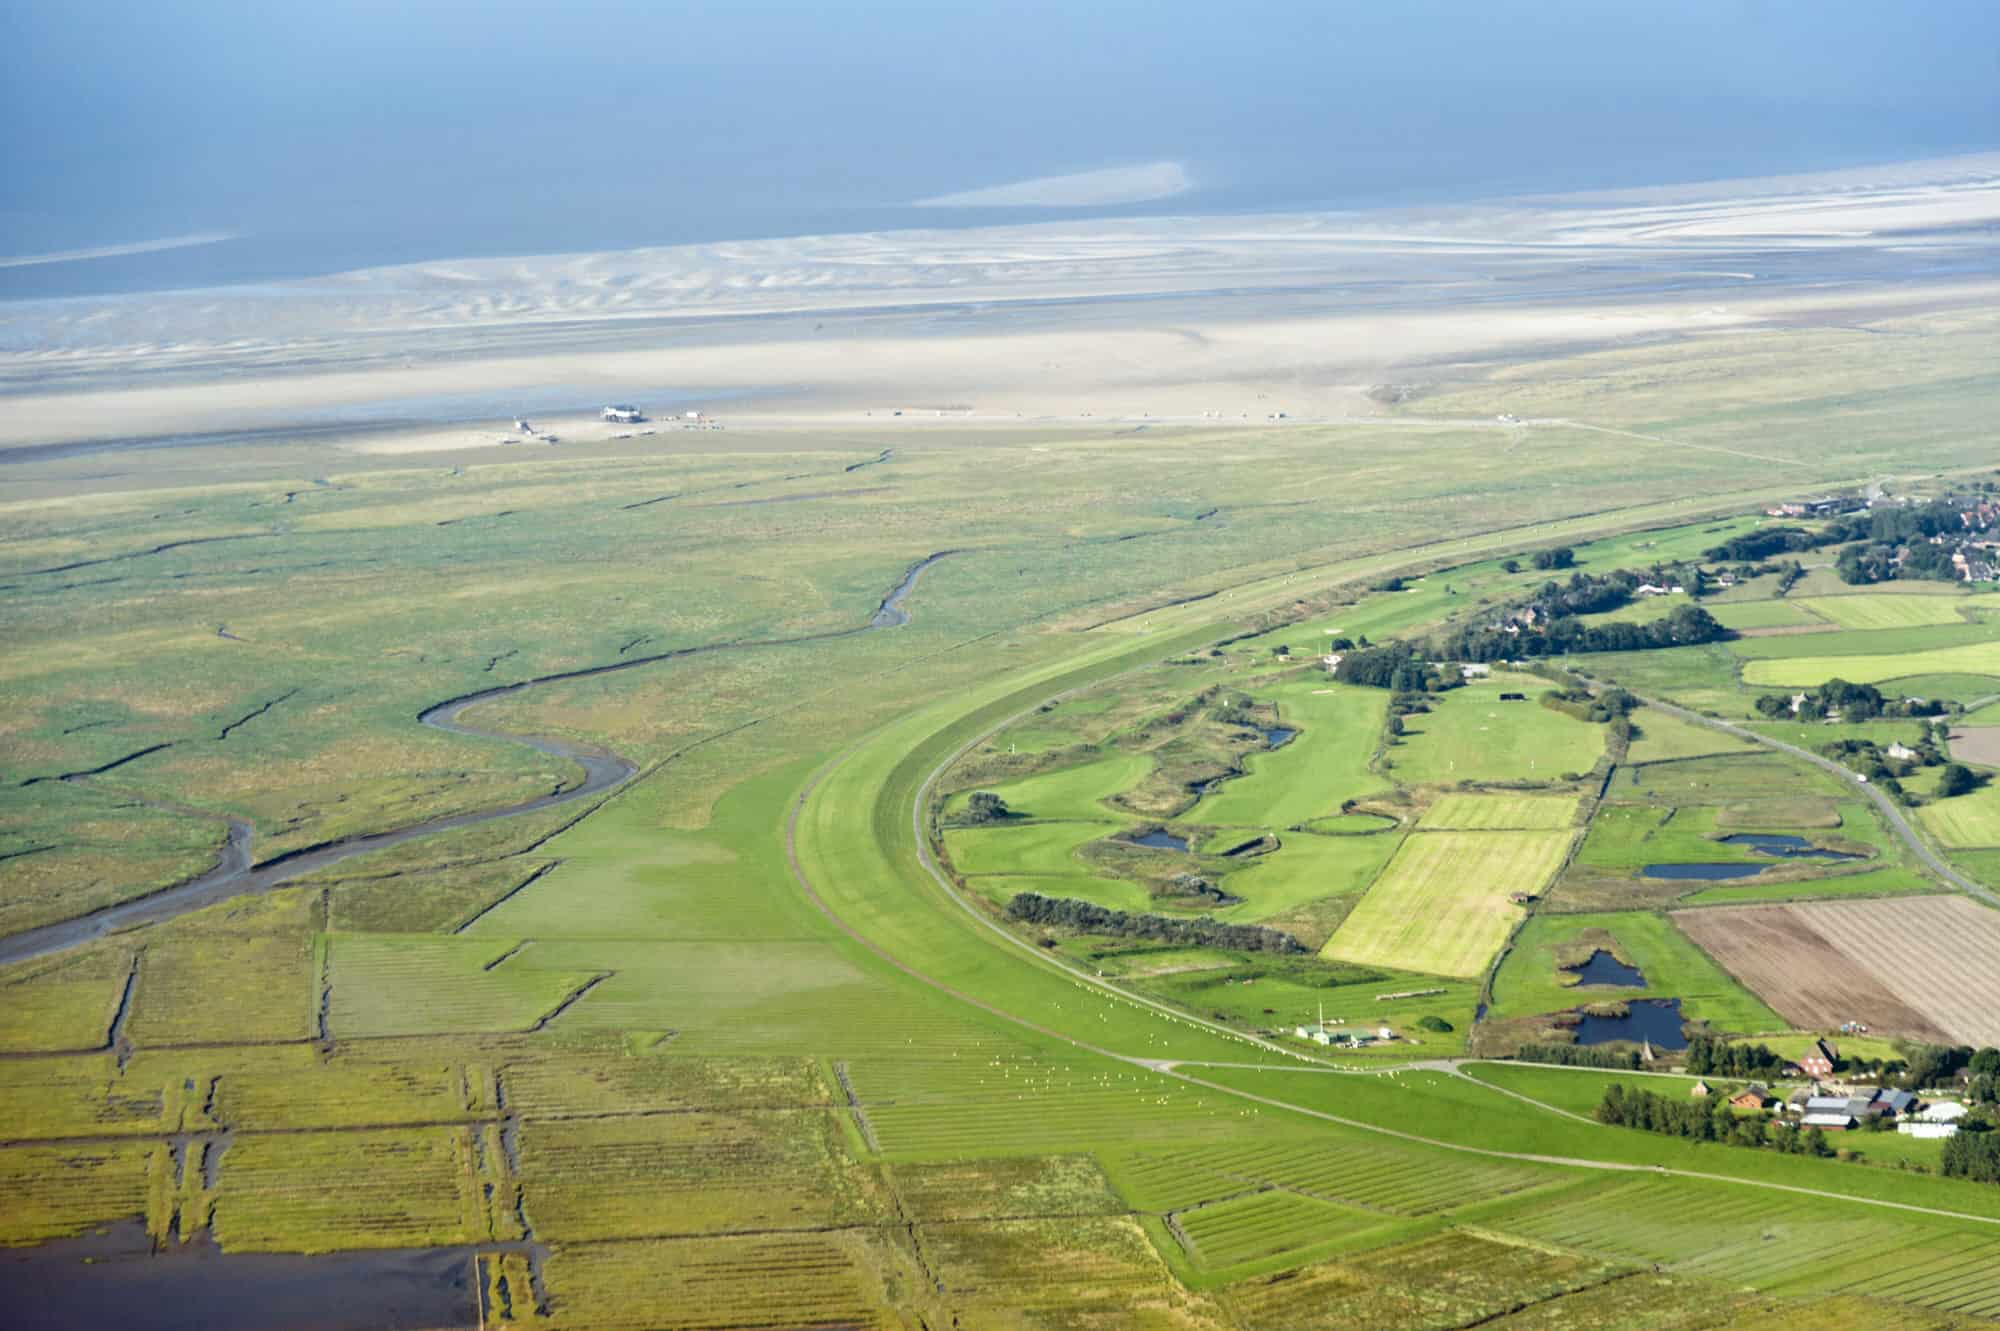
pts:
[1807, 671]
[1492, 813]
[1441, 906]
[1896, 612]
[1309, 777]
[1471, 736]
[1966, 821]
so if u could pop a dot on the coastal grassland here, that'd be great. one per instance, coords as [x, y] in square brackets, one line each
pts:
[695, 1173]
[1530, 981]
[1871, 883]
[1753, 778]
[1453, 1278]
[63, 1002]
[678, 889]
[1469, 735]
[322, 1192]
[1441, 906]
[1981, 657]
[1316, 771]
[1074, 794]
[1721, 1232]
[69, 848]
[54, 1191]
[409, 984]
[1659, 737]
[1491, 813]
[1036, 1186]
[840, 1279]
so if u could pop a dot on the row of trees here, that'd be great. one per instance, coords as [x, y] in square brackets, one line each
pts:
[1708, 1056]
[1710, 1120]
[1087, 917]
[1580, 1056]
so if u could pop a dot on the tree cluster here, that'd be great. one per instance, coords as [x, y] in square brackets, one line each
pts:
[1395, 666]
[1710, 1057]
[1854, 702]
[1686, 626]
[982, 807]
[1972, 1155]
[1086, 917]
[1710, 1120]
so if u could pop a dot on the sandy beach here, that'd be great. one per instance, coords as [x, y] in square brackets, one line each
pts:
[1301, 316]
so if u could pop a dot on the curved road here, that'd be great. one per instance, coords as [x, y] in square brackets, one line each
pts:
[1889, 808]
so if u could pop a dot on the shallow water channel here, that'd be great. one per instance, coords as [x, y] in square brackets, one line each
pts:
[235, 875]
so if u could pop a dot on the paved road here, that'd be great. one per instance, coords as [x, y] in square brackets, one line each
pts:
[1890, 809]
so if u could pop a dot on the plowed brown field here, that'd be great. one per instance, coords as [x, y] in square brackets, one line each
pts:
[1924, 967]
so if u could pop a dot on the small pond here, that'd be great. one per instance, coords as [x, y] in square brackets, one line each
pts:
[1703, 872]
[1279, 736]
[1655, 1019]
[1159, 839]
[1789, 847]
[1603, 968]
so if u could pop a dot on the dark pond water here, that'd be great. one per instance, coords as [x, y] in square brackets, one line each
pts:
[1603, 968]
[112, 1280]
[1159, 839]
[1279, 736]
[1655, 1019]
[1703, 872]
[1790, 847]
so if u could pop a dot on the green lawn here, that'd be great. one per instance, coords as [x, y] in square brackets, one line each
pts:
[1966, 821]
[1324, 764]
[1305, 868]
[1470, 735]
[1661, 736]
[1762, 614]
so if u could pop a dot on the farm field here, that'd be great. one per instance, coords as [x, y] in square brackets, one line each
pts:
[1972, 658]
[1767, 615]
[1864, 611]
[1919, 966]
[1965, 821]
[1306, 868]
[1441, 906]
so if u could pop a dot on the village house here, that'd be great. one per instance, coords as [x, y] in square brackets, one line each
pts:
[1700, 1090]
[1752, 1096]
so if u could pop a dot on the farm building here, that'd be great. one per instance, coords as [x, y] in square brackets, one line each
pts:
[1818, 1061]
[1928, 1131]
[1944, 1111]
[1827, 1121]
[1700, 1090]
[1752, 1096]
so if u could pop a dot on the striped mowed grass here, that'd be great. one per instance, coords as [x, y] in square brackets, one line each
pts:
[1442, 905]
[1490, 813]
